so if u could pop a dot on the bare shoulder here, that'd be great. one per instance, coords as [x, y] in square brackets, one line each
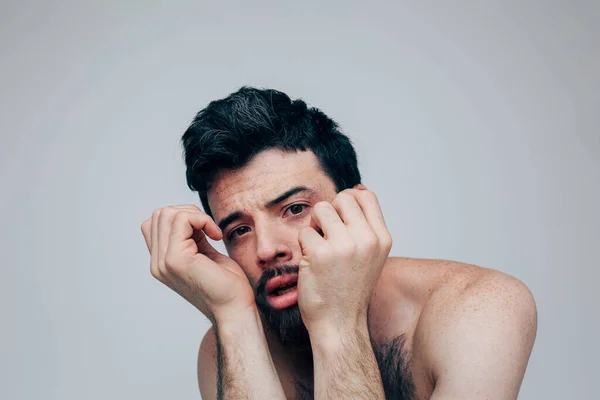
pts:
[406, 287]
[445, 291]
[207, 365]
[428, 282]
[476, 321]
[466, 292]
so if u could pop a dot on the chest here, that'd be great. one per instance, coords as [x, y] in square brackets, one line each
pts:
[395, 366]
[392, 322]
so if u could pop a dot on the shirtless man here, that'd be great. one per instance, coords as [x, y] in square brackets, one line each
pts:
[308, 304]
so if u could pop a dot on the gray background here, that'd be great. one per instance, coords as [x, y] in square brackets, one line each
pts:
[476, 123]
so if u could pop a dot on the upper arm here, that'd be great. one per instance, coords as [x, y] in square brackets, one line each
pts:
[478, 338]
[207, 366]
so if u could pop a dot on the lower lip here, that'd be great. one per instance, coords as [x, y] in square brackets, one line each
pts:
[284, 301]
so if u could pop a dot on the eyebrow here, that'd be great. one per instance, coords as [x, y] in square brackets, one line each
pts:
[234, 216]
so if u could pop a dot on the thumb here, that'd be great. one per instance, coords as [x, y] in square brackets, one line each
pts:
[204, 247]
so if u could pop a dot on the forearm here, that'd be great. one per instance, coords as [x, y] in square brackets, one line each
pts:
[345, 365]
[245, 366]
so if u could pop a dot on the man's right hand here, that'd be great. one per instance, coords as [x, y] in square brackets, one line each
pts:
[182, 259]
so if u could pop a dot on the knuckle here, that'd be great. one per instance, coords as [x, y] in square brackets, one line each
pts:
[180, 215]
[342, 198]
[322, 253]
[337, 201]
[169, 211]
[169, 262]
[146, 226]
[344, 195]
[156, 273]
[369, 242]
[369, 195]
[387, 242]
[171, 265]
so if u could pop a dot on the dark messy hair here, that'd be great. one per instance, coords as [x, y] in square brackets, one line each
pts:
[229, 132]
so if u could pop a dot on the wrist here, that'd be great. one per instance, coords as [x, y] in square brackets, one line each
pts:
[235, 319]
[335, 335]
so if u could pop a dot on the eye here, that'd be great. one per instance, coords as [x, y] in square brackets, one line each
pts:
[297, 209]
[239, 231]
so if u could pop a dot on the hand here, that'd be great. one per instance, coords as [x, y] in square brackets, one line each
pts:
[339, 270]
[183, 259]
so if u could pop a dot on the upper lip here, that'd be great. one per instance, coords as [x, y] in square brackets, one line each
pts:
[279, 281]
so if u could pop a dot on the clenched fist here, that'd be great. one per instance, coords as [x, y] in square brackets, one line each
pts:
[339, 269]
[183, 259]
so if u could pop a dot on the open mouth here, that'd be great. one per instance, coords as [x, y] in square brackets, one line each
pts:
[281, 291]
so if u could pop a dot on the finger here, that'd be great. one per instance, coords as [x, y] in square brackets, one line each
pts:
[369, 204]
[204, 247]
[147, 224]
[349, 210]
[190, 207]
[327, 219]
[210, 227]
[309, 240]
[165, 220]
[154, 243]
[188, 232]
[168, 215]
[197, 222]
[147, 233]
[190, 225]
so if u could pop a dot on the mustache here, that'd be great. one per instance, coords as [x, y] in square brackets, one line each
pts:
[272, 273]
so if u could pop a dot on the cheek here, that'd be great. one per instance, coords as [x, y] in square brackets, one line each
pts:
[241, 254]
[301, 222]
[245, 255]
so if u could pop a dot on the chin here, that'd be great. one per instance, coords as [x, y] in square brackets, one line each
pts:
[287, 325]
[282, 315]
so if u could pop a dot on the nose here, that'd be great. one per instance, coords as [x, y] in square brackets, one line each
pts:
[271, 247]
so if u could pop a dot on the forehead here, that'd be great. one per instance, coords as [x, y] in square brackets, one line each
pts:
[269, 174]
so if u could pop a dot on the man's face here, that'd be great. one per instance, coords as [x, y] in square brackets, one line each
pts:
[261, 209]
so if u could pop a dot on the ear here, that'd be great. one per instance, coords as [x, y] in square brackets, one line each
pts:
[359, 186]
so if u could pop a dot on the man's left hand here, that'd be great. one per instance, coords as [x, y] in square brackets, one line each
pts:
[339, 269]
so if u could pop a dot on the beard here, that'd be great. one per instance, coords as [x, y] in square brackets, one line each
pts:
[286, 324]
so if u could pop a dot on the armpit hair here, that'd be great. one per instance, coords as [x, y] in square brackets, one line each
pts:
[394, 364]
[393, 360]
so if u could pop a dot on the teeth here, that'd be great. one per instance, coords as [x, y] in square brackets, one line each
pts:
[279, 292]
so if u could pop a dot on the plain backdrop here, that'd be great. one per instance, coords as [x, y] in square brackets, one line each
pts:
[476, 123]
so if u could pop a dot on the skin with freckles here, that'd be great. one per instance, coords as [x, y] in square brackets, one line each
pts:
[265, 237]
[420, 299]
[439, 329]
